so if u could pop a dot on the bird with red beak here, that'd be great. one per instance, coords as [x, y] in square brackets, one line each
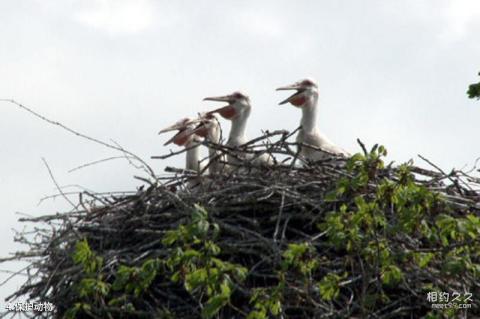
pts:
[237, 111]
[186, 137]
[306, 98]
[209, 128]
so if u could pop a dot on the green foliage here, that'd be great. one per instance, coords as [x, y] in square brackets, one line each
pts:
[77, 308]
[199, 229]
[136, 280]
[370, 226]
[391, 274]
[474, 90]
[361, 221]
[194, 261]
[84, 256]
[93, 286]
[329, 286]
[300, 257]
[266, 302]
[423, 259]
[91, 289]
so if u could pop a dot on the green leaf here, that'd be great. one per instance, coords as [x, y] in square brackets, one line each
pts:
[258, 314]
[328, 286]
[225, 289]
[202, 227]
[391, 275]
[382, 151]
[216, 230]
[122, 277]
[240, 273]
[89, 287]
[147, 274]
[82, 252]
[275, 307]
[176, 276]
[474, 91]
[195, 279]
[170, 237]
[212, 248]
[199, 214]
[213, 306]
[84, 256]
[191, 254]
[423, 259]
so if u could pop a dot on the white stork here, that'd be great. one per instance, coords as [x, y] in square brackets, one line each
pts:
[306, 98]
[209, 129]
[185, 138]
[237, 111]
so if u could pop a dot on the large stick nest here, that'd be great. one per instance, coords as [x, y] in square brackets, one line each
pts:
[260, 212]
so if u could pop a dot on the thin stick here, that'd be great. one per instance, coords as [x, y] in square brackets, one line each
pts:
[58, 186]
[96, 162]
[92, 139]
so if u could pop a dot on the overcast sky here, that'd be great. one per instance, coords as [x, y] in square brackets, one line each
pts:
[390, 72]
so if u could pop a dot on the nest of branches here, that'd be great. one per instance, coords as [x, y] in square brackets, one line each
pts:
[339, 238]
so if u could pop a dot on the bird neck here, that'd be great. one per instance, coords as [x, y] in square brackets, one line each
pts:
[237, 132]
[309, 114]
[193, 155]
[214, 137]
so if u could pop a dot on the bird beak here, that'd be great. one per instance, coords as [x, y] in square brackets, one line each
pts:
[183, 135]
[178, 126]
[225, 98]
[294, 86]
[169, 129]
[228, 111]
[200, 130]
[181, 138]
[172, 139]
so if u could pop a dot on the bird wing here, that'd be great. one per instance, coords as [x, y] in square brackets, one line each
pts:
[317, 139]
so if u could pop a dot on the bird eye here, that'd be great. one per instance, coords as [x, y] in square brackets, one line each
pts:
[238, 95]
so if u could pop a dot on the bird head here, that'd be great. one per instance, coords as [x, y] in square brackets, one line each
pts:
[305, 90]
[184, 135]
[238, 104]
[208, 127]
